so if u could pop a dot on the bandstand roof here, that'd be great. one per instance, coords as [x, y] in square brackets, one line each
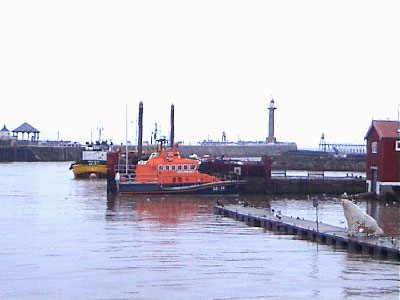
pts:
[5, 129]
[26, 128]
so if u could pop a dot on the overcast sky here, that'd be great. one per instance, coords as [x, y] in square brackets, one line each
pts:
[72, 66]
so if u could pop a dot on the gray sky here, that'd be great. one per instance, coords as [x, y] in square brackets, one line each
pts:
[70, 66]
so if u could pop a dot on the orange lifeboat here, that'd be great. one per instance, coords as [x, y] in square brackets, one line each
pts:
[166, 172]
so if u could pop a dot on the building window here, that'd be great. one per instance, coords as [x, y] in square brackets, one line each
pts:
[160, 168]
[192, 167]
[179, 167]
[185, 167]
[173, 167]
[166, 167]
[397, 146]
[374, 147]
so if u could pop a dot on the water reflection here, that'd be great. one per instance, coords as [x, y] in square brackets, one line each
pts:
[163, 210]
[387, 215]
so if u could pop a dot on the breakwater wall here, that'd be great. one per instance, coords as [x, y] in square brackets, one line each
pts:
[235, 151]
[304, 186]
[39, 153]
[318, 161]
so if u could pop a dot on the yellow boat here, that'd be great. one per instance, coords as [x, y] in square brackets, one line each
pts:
[94, 162]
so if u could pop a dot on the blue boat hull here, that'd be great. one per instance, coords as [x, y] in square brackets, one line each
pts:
[216, 188]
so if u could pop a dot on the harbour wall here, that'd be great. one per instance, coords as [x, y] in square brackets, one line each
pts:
[305, 186]
[283, 156]
[39, 153]
[257, 150]
[318, 161]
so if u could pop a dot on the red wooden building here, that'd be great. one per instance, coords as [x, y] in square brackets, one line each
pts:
[383, 150]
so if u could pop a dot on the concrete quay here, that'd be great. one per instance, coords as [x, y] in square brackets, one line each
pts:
[310, 185]
[304, 186]
[378, 247]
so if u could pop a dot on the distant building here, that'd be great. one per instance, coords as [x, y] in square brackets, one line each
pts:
[383, 155]
[28, 129]
[5, 134]
[5, 137]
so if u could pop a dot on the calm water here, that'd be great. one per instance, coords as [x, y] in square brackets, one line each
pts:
[62, 238]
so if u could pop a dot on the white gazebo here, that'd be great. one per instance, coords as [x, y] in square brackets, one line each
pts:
[26, 128]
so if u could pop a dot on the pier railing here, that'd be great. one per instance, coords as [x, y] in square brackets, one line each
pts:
[343, 148]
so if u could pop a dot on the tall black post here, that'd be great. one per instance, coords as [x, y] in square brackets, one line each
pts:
[140, 138]
[172, 135]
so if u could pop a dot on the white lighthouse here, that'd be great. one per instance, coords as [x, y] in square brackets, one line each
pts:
[271, 138]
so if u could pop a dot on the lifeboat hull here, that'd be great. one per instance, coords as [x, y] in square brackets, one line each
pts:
[215, 188]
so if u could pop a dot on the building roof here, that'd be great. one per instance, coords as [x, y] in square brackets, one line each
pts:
[385, 129]
[26, 128]
[5, 129]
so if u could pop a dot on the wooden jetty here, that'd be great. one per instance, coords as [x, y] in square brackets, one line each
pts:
[379, 247]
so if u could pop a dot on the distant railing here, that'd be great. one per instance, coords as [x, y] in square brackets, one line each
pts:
[47, 143]
[343, 148]
[315, 174]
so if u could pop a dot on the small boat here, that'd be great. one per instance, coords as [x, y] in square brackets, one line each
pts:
[93, 164]
[166, 172]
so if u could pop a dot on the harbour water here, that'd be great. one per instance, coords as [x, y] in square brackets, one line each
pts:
[65, 239]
